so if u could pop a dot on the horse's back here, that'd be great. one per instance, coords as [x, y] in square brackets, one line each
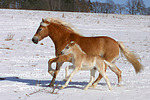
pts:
[104, 46]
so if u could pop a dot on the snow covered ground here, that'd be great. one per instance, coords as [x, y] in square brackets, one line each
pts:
[23, 65]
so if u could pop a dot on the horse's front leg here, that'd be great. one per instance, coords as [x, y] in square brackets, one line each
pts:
[50, 69]
[92, 78]
[69, 78]
[60, 61]
[66, 72]
[58, 67]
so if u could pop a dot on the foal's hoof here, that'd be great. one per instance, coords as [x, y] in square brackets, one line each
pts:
[85, 89]
[62, 87]
[93, 86]
[66, 80]
[110, 89]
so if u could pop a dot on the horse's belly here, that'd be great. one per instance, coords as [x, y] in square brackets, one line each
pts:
[87, 67]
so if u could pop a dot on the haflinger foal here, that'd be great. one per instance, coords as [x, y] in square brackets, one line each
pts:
[82, 61]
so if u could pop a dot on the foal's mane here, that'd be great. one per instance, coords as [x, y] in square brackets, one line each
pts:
[48, 20]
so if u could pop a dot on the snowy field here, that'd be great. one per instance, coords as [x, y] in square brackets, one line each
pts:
[23, 65]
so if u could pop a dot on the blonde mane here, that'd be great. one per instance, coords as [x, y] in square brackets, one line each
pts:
[48, 20]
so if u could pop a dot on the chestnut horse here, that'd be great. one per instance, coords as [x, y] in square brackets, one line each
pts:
[62, 34]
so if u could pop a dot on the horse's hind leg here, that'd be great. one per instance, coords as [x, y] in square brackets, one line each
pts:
[106, 79]
[92, 78]
[101, 69]
[66, 72]
[100, 76]
[97, 80]
[116, 70]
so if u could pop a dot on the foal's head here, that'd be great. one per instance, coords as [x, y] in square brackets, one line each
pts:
[41, 32]
[69, 49]
[72, 48]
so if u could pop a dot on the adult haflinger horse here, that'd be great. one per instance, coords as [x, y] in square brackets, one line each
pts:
[62, 34]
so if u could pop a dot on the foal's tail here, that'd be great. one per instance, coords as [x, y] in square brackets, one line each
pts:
[131, 57]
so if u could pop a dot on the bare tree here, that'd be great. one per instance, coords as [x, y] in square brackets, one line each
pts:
[108, 7]
[96, 7]
[148, 11]
[135, 6]
[140, 7]
[120, 8]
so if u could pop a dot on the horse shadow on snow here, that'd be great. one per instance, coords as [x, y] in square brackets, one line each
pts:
[44, 83]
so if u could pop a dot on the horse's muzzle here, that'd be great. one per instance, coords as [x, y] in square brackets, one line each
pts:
[35, 40]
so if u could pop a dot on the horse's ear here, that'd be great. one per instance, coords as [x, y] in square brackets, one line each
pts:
[42, 19]
[72, 43]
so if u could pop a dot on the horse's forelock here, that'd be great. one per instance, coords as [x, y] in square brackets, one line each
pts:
[44, 24]
[48, 19]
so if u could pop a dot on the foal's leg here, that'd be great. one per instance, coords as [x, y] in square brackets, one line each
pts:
[66, 72]
[92, 78]
[98, 79]
[101, 69]
[106, 79]
[100, 76]
[70, 76]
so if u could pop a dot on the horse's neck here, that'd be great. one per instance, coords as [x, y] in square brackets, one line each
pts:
[60, 36]
[77, 53]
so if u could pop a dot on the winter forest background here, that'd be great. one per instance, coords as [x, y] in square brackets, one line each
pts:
[134, 7]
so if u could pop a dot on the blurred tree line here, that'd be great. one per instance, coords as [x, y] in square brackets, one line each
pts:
[131, 7]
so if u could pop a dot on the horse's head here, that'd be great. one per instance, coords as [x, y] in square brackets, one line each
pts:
[69, 48]
[41, 32]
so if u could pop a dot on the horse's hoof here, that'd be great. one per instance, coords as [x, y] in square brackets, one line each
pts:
[120, 84]
[85, 89]
[62, 87]
[51, 85]
[93, 86]
[66, 80]
[110, 89]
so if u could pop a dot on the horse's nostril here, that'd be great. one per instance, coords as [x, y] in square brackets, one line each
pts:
[62, 53]
[35, 40]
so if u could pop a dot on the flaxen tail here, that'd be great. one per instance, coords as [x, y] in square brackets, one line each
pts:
[131, 57]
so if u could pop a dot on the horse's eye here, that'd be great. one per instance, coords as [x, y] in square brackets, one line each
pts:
[67, 47]
[39, 30]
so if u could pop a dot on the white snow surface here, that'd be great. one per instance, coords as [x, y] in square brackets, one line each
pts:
[23, 64]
